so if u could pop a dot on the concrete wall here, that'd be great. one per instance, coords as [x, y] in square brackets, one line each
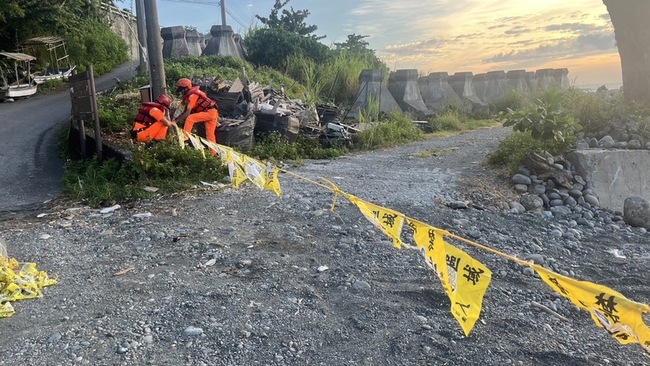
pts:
[123, 23]
[614, 175]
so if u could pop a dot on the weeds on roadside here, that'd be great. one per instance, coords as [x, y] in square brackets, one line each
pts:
[398, 129]
[512, 150]
[275, 146]
[162, 165]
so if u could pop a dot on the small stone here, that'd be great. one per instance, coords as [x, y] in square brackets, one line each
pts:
[55, 337]
[521, 179]
[192, 331]
[592, 200]
[521, 188]
[361, 286]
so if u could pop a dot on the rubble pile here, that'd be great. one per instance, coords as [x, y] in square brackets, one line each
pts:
[248, 111]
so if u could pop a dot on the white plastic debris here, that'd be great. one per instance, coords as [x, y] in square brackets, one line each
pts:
[616, 253]
[109, 209]
[41, 215]
[45, 236]
[143, 215]
[323, 268]
[209, 263]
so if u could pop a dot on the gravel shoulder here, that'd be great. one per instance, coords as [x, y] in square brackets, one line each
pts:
[231, 277]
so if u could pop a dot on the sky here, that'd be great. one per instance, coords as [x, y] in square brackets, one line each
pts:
[442, 35]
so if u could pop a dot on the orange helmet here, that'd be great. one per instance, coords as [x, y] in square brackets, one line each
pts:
[164, 100]
[184, 83]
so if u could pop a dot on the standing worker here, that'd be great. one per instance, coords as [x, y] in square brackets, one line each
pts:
[151, 122]
[198, 109]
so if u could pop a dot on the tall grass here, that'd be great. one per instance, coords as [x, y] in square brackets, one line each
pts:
[397, 129]
[335, 80]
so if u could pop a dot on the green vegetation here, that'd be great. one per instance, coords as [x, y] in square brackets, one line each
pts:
[513, 149]
[274, 146]
[161, 165]
[551, 122]
[79, 22]
[397, 129]
[547, 121]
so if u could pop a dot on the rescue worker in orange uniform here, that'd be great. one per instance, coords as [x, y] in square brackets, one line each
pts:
[198, 109]
[151, 122]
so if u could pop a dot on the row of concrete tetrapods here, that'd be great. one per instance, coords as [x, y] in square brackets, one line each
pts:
[181, 42]
[407, 91]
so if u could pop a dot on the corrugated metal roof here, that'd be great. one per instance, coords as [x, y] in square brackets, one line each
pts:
[18, 56]
[42, 40]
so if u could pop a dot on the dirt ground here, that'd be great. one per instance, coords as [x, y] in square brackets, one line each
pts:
[243, 277]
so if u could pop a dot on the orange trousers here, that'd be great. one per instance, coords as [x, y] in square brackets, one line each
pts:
[210, 118]
[155, 132]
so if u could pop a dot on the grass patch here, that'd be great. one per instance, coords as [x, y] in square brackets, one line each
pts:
[512, 150]
[162, 165]
[397, 130]
[274, 146]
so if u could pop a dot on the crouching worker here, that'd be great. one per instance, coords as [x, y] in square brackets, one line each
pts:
[151, 122]
[198, 109]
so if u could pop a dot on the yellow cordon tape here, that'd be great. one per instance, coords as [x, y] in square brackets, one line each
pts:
[464, 278]
[19, 281]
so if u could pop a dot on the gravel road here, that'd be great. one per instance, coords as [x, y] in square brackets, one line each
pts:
[242, 277]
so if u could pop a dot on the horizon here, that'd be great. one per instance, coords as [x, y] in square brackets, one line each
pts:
[466, 35]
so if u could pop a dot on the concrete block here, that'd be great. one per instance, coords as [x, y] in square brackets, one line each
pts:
[436, 91]
[403, 86]
[614, 175]
[373, 89]
[174, 42]
[224, 42]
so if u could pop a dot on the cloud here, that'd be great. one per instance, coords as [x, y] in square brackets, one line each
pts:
[574, 27]
[582, 45]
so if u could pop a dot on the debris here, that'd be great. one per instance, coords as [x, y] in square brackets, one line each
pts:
[209, 263]
[151, 189]
[143, 215]
[124, 271]
[109, 209]
[548, 310]
[322, 269]
[616, 253]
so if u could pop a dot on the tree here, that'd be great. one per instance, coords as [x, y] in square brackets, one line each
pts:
[79, 22]
[353, 43]
[291, 20]
[630, 18]
[272, 46]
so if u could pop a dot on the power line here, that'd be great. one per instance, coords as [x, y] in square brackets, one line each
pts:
[244, 13]
[192, 1]
[235, 18]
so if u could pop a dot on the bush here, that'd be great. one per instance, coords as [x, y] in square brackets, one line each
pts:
[450, 120]
[163, 165]
[514, 99]
[595, 110]
[547, 121]
[397, 129]
[272, 46]
[512, 150]
[274, 146]
[95, 43]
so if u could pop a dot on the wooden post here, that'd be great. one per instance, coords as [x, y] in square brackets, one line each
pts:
[93, 106]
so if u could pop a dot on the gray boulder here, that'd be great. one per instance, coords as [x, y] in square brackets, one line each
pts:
[636, 212]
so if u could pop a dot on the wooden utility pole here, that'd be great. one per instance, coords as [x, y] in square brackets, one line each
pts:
[223, 12]
[154, 48]
[142, 36]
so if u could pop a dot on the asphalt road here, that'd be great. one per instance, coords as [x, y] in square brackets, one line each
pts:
[30, 168]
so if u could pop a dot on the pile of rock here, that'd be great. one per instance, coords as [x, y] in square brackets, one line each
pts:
[546, 194]
[566, 195]
[626, 134]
